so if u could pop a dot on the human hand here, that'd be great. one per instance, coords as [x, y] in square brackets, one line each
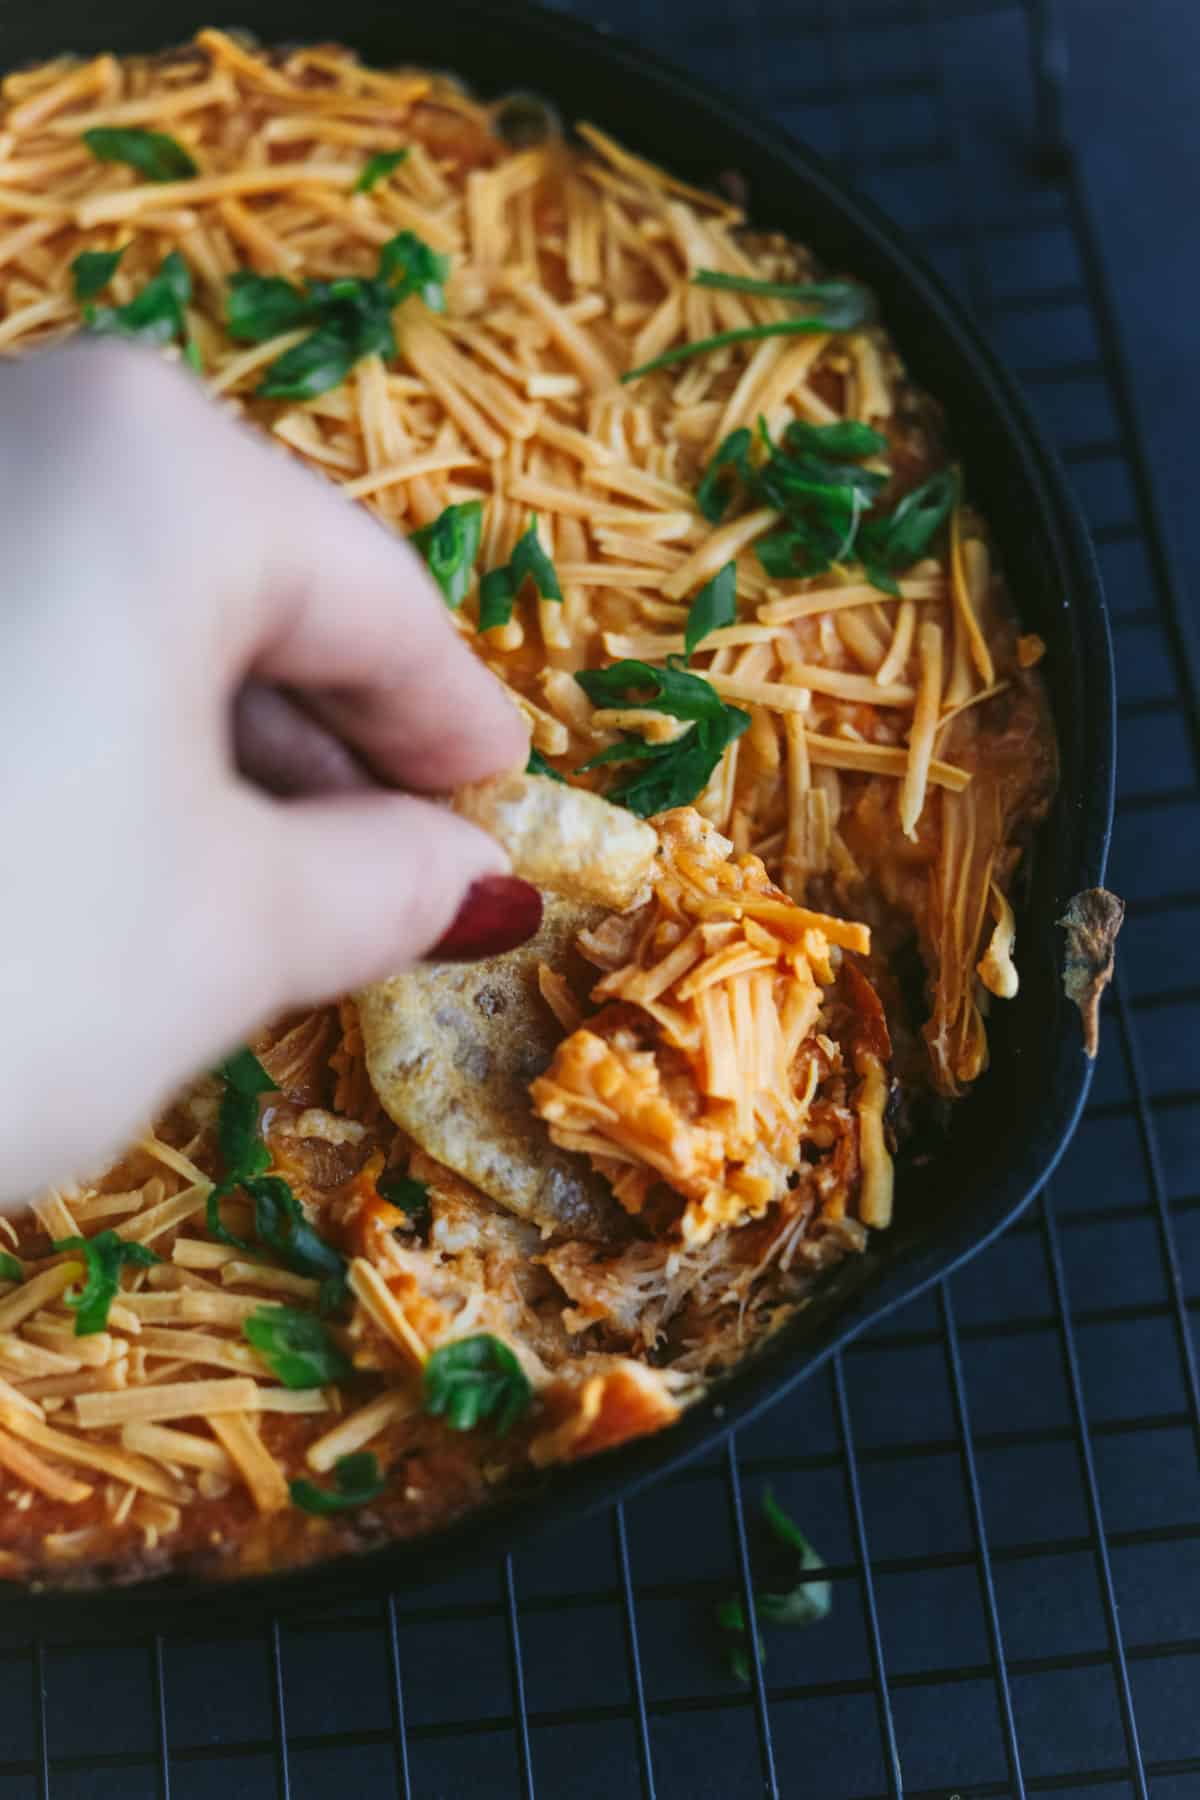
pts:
[169, 582]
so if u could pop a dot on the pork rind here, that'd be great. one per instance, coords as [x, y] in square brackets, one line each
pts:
[564, 838]
[451, 1049]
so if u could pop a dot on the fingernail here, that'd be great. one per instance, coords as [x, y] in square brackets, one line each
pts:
[498, 913]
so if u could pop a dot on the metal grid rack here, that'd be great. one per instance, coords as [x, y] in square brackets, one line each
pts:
[1004, 1480]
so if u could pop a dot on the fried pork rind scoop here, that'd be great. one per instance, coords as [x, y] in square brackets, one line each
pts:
[565, 839]
[451, 1049]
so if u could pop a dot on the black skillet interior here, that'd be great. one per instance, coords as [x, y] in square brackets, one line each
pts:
[1005, 1138]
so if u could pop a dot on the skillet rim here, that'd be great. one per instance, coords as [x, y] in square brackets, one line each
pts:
[188, 1602]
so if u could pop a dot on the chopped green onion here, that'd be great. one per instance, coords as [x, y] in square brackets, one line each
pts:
[731, 1616]
[243, 1153]
[352, 317]
[844, 304]
[412, 1197]
[729, 466]
[279, 1220]
[153, 316]
[296, 1347]
[356, 1479]
[500, 587]
[376, 167]
[260, 307]
[842, 307]
[668, 774]
[10, 1268]
[537, 765]
[280, 1224]
[714, 606]
[814, 478]
[152, 153]
[790, 555]
[744, 334]
[476, 1381]
[92, 270]
[807, 1602]
[245, 1082]
[354, 325]
[844, 438]
[409, 266]
[104, 1256]
[893, 543]
[807, 463]
[449, 546]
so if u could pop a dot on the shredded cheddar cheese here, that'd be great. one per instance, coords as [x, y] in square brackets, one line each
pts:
[701, 1067]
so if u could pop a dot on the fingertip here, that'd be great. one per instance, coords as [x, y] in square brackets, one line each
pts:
[497, 742]
[463, 728]
[498, 913]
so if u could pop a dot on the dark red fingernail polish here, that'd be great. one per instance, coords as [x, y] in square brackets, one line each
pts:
[499, 912]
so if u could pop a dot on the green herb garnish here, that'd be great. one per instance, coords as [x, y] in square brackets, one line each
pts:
[104, 1255]
[356, 1480]
[409, 266]
[822, 532]
[474, 1381]
[743, 334]
[844, 305]
[813, 477]
[153, 316]
[537, 765]
[818, 456]
[355, 322]
[668, 774]
[152, 153]
[896, 541]
[449, 546]
[499, 588]
[376, 167]
[351, 317]
[92, 270]
[280, 1224]
[259, 307]
[841, 306]
[729, 467]
[412, 1197]
[822, 499]
[845, 438]
[279, 1221]
[296, 1346]
[10, 1268]
[715, 605]
[791, 555]
[807, 1602]
[731, 1617]
[242, 1149]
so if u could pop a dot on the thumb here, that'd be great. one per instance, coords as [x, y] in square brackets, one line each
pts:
[363, 883]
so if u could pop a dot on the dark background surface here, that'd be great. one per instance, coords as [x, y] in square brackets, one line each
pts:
[1004, 1479]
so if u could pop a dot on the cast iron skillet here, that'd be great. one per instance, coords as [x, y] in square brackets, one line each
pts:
[1002, 1141]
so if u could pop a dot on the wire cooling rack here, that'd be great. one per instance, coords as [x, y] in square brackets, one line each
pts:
[1004, 1480]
